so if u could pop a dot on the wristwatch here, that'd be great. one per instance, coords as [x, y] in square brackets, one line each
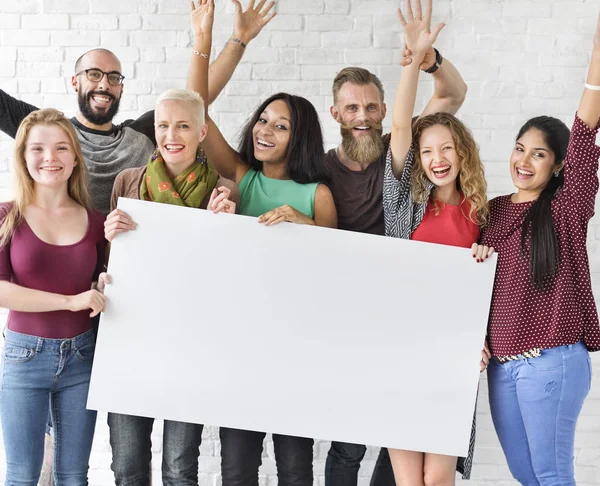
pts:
[436, 64]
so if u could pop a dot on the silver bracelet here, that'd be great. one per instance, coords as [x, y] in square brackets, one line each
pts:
[592, 87]
[201, 54]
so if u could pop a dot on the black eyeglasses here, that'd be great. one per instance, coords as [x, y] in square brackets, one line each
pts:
[95, 75]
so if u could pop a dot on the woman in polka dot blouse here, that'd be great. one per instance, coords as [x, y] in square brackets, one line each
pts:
[543, 319]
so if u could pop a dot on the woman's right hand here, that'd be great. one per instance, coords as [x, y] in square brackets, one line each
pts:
[417, 30]
[219, 201]
[202, 17]
[117, 222]
[92, 299]
[481, 252]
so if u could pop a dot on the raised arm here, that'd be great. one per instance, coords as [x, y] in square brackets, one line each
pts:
[12, 112]
[419, 39]
[589, 106]
[449, 92]
[248, 24]
[225, 159]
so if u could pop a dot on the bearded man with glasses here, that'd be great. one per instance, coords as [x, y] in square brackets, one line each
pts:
[99, 83]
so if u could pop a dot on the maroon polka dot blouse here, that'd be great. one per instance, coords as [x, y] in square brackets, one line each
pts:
[523, 317]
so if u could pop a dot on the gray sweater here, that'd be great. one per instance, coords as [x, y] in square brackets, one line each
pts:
[106, 153]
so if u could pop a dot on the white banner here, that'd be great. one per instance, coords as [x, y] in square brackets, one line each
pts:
[293, 329]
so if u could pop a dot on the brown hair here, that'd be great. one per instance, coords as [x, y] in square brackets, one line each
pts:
[24, 184]
[470, 180]
[355, 75]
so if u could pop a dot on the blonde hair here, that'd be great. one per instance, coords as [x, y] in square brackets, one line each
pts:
[185, 96]
[470, 180]
[355, 75]
[24, 184]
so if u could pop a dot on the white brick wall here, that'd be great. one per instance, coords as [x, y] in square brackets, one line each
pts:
[519, 58]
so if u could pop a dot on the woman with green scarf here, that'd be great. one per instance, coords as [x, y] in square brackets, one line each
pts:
[177, 173]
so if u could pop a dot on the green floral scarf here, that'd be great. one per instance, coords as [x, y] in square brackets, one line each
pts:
[188, 189]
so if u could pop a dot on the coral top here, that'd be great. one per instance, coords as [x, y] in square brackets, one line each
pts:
[450, 226]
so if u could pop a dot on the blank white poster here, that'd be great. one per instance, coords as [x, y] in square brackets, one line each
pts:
[292, 329]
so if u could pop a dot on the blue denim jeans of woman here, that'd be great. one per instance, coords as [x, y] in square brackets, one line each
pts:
[130, 439]
[241, 456]
[535, 403]
[39, 374]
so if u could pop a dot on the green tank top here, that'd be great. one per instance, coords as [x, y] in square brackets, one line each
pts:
[259, 194]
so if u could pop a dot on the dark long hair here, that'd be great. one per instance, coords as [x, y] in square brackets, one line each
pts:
[304, 154]
[544, 251]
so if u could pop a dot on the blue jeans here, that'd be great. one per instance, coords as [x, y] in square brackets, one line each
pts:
[39, 374]
[132, 451]
[343, 463]
[535, 403]
[241, 452]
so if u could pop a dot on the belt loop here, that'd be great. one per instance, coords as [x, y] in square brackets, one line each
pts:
[39, 345]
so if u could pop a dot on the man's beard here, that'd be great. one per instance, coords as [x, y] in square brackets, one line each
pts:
[366, 148]
[97, 118]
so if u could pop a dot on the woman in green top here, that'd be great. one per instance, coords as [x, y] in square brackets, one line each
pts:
[279, 168]
[279, 163]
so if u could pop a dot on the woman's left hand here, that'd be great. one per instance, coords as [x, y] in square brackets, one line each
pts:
[485, 357]
[220, 202]
[249, 22]
[284, 213]
[202, 17]
[103, 281]
[481, 252]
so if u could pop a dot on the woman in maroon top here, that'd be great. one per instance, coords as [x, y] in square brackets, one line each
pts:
[51, 250]
[543, 318]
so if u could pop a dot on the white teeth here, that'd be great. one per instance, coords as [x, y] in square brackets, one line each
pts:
[50, 169]
[362, 128]
[440, 170]
[101, 99]
[524, 172]
[260, 141]
[174, 147]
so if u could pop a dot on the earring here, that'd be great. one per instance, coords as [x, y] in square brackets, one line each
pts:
[557, 173]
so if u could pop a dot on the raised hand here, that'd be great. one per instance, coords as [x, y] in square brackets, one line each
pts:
[250, 22]
[428, 60]
[202, 17]
[417, 29]
[220, 202]
[284, 213]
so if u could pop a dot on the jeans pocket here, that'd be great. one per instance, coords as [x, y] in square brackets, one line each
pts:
[86, 352]
[548, 361]
[14, 353]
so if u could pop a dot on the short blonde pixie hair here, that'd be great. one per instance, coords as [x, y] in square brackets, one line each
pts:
[185, 96]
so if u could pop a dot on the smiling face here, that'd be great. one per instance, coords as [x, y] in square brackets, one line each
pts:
[271, 133]
[438, 154]
[360, 111]
[98, 101]
[49, 155]
[178, 133]
[532, 164]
